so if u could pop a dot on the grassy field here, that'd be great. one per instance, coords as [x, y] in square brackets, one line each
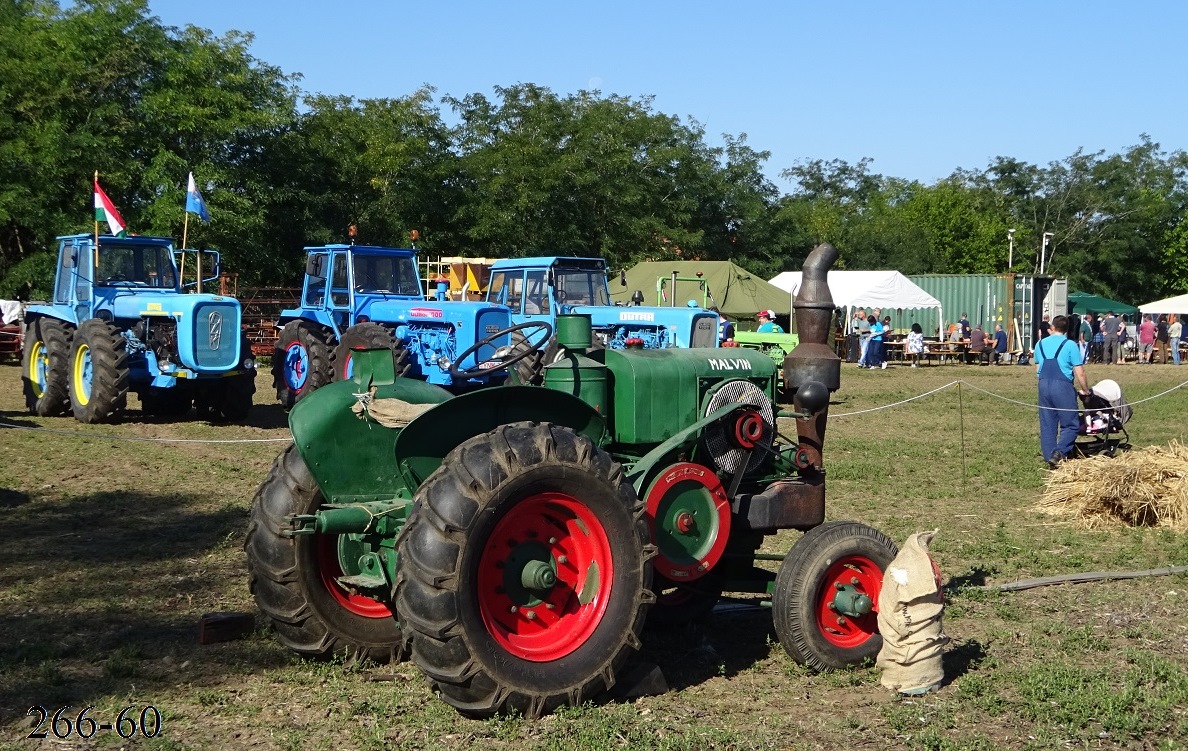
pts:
[113, 549]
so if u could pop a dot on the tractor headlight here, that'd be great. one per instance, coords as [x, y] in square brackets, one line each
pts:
[443, 362]
[249, 363]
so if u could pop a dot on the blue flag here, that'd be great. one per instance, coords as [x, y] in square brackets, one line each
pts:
[194, 202]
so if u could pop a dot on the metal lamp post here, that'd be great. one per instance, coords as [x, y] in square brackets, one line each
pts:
[1011, 253]
[1044, 250]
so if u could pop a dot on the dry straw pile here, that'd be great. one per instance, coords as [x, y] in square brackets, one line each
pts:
[1147, 487]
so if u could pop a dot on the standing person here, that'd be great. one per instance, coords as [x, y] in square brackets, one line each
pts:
[853, 340]
[1161, 340]
[1174, 329]
[1098, 341]
[874, 353]
[915, 343]
[1059, 366]
[725, 329]
[863, 337]
[1146, 339]
[1085, 339]
[1000, 343]
[1044, 328]
[965, 327]
[1112, 353]
[767, 324]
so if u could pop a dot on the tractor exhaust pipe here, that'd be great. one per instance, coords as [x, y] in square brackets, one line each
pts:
[814, 358]
[812, 370]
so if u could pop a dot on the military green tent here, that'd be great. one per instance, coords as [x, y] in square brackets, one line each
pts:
[1082, 303]
[735, 291]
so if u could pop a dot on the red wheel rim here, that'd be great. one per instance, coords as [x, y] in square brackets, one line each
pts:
[557, 530]
[862, 574]
[330, 568]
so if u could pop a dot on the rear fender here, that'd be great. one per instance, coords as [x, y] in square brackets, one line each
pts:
[352, 458]
[425, 441]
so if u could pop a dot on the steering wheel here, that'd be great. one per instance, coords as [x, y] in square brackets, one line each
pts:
[495, 366]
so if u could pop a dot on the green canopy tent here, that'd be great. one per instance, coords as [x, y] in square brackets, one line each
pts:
[1082, 303]
[735, 291]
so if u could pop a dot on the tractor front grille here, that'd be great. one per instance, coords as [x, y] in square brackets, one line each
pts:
[216, 336]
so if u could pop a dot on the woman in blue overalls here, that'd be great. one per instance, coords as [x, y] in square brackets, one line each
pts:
[1058, 361]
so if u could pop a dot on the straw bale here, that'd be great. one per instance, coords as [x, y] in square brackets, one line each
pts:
[1142, 488]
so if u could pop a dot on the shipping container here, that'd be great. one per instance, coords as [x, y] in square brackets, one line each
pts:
[1016, 301]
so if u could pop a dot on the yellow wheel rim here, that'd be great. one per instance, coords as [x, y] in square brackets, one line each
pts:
[82, 374]
[39, 368]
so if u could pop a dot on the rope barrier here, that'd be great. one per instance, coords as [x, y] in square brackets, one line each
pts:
[109, 437]
[957, 383]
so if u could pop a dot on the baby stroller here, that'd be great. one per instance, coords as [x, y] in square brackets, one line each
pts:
[1103, 421]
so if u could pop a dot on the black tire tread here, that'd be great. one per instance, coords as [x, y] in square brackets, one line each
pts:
[275, 580]
[109, 372]
[369, 335]
[793, 602]
[317, 341]
[432, 547]
[530, 370]
[55, 335]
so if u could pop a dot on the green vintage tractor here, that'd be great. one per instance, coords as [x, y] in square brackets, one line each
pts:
[514, 540]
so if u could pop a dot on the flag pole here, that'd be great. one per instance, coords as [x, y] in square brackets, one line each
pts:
[95, 270]
[181, 271]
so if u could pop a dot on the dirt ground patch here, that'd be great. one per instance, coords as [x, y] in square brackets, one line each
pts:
[115, 548]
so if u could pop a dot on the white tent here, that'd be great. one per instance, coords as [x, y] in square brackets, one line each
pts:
[1178, 304]
[886, 289]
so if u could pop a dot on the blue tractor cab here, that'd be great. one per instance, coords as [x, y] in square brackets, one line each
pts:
[370, 297]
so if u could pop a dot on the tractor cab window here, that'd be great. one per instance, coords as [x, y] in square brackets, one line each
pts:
[514, 292]
[386, 275]
[496, 292]
[581, 287]
[536, 293]
[138, 266]
[340, 284]
[315, 284]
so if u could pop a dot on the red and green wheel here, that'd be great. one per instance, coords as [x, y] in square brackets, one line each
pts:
[296, 581]
[524, 577]
[825, 603]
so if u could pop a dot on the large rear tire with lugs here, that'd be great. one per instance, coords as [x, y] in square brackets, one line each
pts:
[45, 365]
[300, 361]
[525, 572]
[530, 370]
[826, 595]
[294, 578]
[98, 372]
[367, 335]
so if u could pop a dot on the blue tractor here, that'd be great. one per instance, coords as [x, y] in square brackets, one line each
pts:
[366, 297]
[119, 322]
[541, 288]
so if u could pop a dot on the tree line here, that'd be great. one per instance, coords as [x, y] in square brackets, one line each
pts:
[103, 85]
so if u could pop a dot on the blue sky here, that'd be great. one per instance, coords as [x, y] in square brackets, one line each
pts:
[922, 88]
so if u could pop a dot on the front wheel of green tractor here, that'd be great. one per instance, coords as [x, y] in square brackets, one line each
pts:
[45, 365]
[300, 361]
[827, 592]
[98, 372]
[295, 579]
[524, 574]
[367, 335]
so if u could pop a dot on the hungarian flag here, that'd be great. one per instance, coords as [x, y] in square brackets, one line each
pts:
[105, 211]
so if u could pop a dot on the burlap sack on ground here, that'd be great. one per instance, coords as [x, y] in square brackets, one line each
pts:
[911, 608]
